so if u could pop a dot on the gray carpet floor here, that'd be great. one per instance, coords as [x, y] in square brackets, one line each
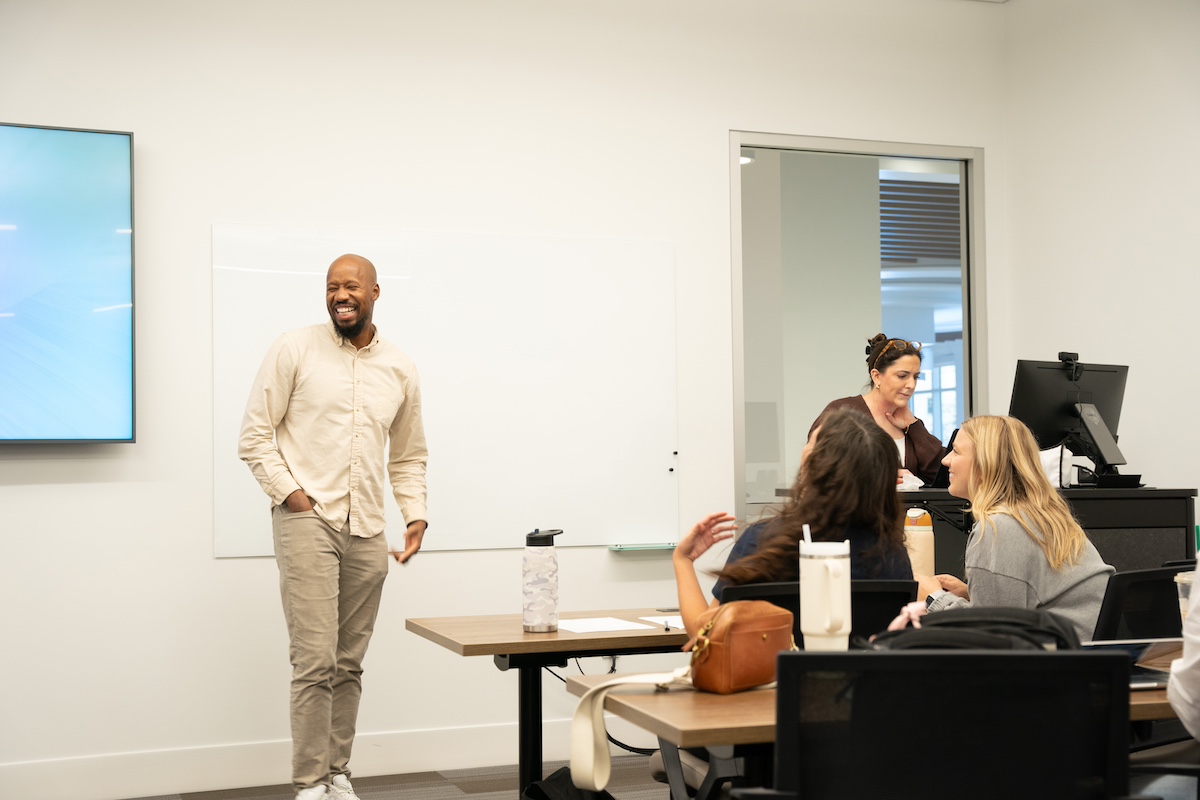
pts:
[630, 781]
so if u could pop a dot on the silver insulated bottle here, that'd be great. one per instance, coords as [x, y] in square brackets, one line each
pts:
[540, 582]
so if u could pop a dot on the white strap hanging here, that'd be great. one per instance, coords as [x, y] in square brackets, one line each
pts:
[591, 765]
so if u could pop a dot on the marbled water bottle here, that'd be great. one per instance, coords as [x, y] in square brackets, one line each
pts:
[540, 608]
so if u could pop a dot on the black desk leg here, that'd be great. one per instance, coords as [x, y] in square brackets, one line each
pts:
[529, 726]
[673, 766]
[529, 697]
[529, 713]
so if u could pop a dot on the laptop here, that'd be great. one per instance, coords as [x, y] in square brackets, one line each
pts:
[1149, 659]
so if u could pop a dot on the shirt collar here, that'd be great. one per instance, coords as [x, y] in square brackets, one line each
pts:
[340, 342]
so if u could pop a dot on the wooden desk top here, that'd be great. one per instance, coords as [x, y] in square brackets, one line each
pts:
[502, 634]
[699, 719]
[689, 718]
[1149, 704]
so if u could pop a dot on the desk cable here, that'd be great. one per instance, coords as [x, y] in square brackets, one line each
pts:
[640, 751]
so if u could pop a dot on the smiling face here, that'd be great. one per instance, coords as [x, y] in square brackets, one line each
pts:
[960, 460]
[898, 380]
[350, 293]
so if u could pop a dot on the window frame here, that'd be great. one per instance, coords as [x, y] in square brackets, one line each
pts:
[975, 326]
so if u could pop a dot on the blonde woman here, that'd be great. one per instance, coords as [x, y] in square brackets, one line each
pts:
[1026, 549]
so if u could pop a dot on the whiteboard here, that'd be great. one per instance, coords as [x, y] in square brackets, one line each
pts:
[547, 376]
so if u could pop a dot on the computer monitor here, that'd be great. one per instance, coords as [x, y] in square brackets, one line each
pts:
[1067, 402]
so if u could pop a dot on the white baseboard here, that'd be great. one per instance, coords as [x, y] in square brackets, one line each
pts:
[117, 776]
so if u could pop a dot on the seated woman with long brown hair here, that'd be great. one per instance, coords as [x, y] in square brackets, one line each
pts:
[845, 489]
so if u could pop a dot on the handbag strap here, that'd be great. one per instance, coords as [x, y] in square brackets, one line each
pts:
[591, 765]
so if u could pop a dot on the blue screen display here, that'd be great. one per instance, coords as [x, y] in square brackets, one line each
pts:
[66, 285]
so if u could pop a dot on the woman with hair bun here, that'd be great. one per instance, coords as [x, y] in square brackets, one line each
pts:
[893, 366]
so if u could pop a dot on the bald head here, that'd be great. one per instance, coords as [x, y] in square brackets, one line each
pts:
[351, 288]
[350, 260]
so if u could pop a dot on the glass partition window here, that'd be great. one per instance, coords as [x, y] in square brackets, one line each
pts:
[835, 246]
[937, 401]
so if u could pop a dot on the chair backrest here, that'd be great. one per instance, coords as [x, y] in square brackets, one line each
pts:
[1141, 604]
[978, 724]
[873, 604]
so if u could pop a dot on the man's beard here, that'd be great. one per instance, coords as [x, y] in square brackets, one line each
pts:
[351, 332]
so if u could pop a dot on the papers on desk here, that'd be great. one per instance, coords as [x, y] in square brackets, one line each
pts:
[669, 622]
[601, 624]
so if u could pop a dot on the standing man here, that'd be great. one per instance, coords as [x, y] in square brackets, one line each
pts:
[334, 416]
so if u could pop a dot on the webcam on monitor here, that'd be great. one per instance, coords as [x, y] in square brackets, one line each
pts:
[1077, 405]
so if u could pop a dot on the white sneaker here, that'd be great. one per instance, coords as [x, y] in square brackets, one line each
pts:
[342, 790]
[315, 793]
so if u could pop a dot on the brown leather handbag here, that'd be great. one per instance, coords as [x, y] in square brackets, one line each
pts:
[737, 645]
[735, 650]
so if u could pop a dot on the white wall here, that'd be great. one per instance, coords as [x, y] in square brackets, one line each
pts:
[1103, 198]
[137, 664]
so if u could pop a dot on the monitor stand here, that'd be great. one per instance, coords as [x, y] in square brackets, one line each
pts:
[1098, 438]
[1114, 480]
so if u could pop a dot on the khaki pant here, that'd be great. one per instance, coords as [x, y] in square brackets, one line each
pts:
[330, 583]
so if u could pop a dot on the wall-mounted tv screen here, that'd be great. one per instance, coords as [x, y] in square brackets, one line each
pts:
[66, 285]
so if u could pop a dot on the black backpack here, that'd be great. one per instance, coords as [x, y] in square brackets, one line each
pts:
[995, 628]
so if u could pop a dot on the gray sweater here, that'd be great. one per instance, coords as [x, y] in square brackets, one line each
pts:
[1007, 568]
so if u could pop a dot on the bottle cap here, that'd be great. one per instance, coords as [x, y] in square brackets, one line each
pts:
[917, 517]
[541, 538]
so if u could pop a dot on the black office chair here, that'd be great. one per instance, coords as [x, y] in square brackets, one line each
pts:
[1141, 604]
[1171, 731]
[980, 724]
[873, 604]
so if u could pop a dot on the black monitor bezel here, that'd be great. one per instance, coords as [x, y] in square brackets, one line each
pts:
[1045, 393]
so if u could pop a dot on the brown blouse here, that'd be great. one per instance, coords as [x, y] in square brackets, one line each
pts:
[923, 452]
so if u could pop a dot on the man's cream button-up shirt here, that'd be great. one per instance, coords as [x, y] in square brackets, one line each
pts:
[339, 423]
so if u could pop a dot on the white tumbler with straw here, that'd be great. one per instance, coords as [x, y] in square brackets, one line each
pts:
[824, 594]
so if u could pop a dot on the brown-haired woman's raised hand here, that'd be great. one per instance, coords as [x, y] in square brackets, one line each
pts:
[704, 534]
